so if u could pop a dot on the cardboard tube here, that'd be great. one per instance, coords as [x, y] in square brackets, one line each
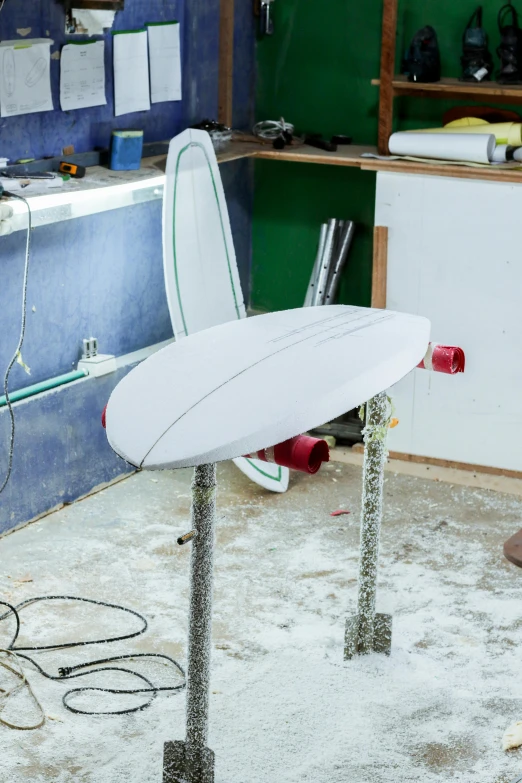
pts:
[448, 359]
[472, 148]
[302, 453]
[502, 153]
[504, 132]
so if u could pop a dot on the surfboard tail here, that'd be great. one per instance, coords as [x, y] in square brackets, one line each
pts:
[268, 475]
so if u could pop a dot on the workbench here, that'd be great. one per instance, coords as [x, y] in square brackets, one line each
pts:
[102, 189]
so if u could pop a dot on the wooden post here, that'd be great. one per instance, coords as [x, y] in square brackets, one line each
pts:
[380, 266]
[386, 95]
[226, 62]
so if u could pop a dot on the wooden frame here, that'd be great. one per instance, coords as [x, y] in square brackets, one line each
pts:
[226, 63]
[386, 95]
[380, 266]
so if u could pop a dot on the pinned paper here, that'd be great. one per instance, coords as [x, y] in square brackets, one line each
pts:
[131, 72]
[25, 84]
[82, 76]
[165, 61]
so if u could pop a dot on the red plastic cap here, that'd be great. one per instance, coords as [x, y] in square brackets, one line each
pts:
[104, 417]
[448, 359]
[302, 453]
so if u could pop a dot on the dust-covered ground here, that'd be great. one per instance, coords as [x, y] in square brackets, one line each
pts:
[285, 707]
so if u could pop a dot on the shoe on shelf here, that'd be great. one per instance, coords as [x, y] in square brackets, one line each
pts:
[510, 49]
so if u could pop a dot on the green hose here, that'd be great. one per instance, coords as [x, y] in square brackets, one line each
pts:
[37, 388]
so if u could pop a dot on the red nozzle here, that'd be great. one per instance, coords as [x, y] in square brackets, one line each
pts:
[302, 453]
[448, 359]
[104, 417]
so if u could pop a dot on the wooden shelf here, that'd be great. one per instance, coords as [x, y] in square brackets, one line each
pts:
[349, 155]
[448, 88]
[392, 85]
[506, 172]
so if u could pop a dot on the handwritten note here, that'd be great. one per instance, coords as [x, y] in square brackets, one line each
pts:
[131, 72]
[25, 83]
[82, 76]
[165, 62]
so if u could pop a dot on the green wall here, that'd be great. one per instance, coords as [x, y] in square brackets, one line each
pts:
[316, 72]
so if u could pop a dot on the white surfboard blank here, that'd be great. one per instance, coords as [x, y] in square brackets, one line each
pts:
[249, 384]
[202, 279]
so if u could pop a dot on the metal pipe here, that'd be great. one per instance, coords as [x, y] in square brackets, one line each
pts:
[345, 244]
[320, 289]
[38, 388]
[371, 517]
[200, 620]
[317, 264]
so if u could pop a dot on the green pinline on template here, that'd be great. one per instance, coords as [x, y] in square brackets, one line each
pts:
[178, 162]
[263, 473]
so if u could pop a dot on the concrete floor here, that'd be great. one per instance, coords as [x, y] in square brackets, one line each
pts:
[285, 708]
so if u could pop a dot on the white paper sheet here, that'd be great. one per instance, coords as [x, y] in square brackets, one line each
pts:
[82, 76]
[165, 62]
[131, 72]
[25, 83]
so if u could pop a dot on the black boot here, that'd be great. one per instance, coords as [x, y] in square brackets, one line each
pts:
[510, 49]
[476, 60]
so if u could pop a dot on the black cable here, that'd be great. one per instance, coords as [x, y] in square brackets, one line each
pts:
[31, 601]
[20, 339]
[72, 672]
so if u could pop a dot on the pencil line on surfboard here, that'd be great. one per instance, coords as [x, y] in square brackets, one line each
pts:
[243, 371]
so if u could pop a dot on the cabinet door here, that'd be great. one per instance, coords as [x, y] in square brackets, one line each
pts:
[455, 256]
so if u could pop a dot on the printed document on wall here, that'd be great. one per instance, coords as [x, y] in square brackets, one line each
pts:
[131, 72]
[82, 76]
[25, 83]
[165, 61]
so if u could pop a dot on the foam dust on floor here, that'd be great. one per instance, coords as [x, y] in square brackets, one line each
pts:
[285, 707]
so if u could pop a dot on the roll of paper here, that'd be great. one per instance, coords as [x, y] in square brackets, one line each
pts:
[302, 453]
[471, 148]
[6, 211]
[448, 359]
[504, 132]
[501, 153]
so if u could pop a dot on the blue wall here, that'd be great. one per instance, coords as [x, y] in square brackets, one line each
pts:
[100, 275]
[46, 133]
[61, 451]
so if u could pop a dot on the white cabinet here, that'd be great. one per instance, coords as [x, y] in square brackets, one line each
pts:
[455, 256]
